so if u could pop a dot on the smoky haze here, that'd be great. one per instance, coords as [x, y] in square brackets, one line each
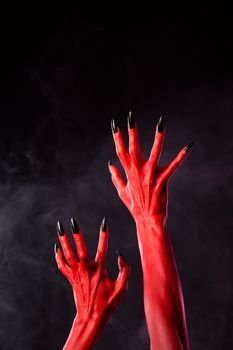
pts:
[71, 77]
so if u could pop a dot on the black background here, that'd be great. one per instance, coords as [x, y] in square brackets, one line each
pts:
[64, 75]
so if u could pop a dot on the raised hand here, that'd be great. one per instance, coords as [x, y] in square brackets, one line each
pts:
[96, 295]
[145, 193]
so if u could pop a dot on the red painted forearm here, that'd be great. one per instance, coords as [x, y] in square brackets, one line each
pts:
[163, 298]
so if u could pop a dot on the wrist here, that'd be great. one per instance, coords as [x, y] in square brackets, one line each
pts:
[151, 221]
[84, 332]
[94, 321]
[151, 232]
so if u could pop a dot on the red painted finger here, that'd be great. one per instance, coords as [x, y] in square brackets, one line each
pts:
[177, 161]
[116, 177]
[124, 272]
[158, 143]
[121, 150]
[66, 247]
[103, 243]
[133, 136]
[79, 241]
[62, 266]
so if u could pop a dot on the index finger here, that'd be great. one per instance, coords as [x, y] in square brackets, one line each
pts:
[103, 243]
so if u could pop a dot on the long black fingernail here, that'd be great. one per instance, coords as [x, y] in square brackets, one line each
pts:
[189, 147]
[119, 254]
[113, 126]
[74, 226]
[160, 125]
[131, 121]
[55, 248]
[104, 225]
[60, 229]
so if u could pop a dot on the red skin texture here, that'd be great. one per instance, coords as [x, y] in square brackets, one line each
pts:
[96, 296]
[145, 196]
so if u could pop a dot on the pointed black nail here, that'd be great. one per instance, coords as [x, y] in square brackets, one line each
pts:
[113, 126]
[119, 254]
[189, 147]
[109, 163]
[104, 225]
[60, 229]
[55, 248]
[160, 125]
[131, 121]
[74, 226]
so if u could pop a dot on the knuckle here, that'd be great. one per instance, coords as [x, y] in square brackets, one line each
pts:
[134, 156]
[82, 255]
[101, 254]
[133, 149]
[122, 195]
[133, 153]
[61, 268]
[121, 192]
[119, 151]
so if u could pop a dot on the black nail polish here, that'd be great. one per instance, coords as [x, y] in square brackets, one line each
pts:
[60, 229]
[189, 147]
[104, 225]
[74, 226]
[109, 163]
[113, 126]
[131, 121]
[160, 125]
[55, 248]
[119, 254]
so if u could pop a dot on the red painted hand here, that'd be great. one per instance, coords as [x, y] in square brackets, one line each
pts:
[145, 193]
[96, 295]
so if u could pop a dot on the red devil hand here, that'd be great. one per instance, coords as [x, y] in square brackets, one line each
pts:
[96, 295]
[145, 195]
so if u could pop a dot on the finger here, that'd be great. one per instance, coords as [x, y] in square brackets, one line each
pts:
[62, 266]
[121, 151]
[67, 250]
[133, 136]
[124, 272]
[176, 162]
[116, 177]
[158, 143]
[103, 243]
[79, 241]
